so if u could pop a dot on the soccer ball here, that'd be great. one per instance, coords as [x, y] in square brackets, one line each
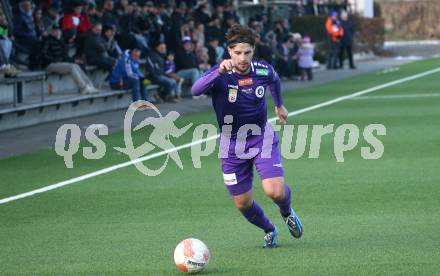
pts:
[191, 255]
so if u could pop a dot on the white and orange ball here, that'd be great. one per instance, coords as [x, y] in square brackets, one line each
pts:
[191, 255]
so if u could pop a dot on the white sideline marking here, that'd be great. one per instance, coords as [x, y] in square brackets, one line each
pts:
[157, 154]
[397, 96]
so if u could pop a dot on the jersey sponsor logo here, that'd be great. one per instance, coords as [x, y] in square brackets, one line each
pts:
[247, 90]
[259, 92]
[230, 179]
[232, 97]
[246, 82]
[262, 72]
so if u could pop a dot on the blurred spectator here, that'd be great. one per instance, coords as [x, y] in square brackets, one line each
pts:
[198, 36]
[126, 75]
[305, 59]
[296, 39]
[130, 36]
[284, 60]
[334, 34]
[170, 71]
[25, 33]
[202, 14]
[5, 49]
[55, 60]
[262, 50]
[71, 20]
[203, 59]
[40, 28]
[111, 45]
[213, 29]
[229, 21]
[187, 28]
[156, 69]
[121, 8]
[271, 39]
[177, 21]
[215, 52]
[95, 49]
[186, 61]
[346, 40]
[281, 32]
[108, 17]
[51, 16]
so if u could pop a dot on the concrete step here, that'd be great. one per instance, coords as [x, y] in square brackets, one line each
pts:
[58, 107]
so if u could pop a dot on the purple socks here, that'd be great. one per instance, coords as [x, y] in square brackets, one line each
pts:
[255, 215]
[285, 203]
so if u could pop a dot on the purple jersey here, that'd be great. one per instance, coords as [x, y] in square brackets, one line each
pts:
[242, 96]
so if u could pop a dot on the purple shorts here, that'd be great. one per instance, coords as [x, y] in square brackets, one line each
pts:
[238, 169]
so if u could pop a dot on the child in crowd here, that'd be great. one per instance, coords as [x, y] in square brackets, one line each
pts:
[305, 58]
[170, 71]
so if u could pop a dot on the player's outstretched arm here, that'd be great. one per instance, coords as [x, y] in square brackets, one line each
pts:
[206, 82]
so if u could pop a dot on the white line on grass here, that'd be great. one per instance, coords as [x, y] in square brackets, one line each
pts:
[188, 145]
[398, 96]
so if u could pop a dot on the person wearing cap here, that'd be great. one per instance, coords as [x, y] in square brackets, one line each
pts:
[186, 61]
[334, 34]
[347, 40]
[56, 60]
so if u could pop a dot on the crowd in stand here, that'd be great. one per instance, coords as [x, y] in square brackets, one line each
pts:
[176, 43]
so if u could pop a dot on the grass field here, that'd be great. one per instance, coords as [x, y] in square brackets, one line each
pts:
[361, 217]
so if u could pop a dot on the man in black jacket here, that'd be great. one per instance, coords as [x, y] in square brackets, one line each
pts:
[346, 40]
[95, 50]
[155, 67]
[55, 60]
[186, 61]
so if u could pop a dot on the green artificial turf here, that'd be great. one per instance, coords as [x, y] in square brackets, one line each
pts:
[361, 217]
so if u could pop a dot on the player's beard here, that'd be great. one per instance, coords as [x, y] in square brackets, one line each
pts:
[242, 68]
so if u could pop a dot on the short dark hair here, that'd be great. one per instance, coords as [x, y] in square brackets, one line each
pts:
[240, 34]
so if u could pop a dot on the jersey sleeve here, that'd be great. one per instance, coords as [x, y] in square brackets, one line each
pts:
[275, 87]
[206, 82]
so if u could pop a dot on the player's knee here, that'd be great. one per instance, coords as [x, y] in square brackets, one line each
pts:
[243, 204]
[275, 194]
[274, 188]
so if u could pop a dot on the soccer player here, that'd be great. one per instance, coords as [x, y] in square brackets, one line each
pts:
[238, 87]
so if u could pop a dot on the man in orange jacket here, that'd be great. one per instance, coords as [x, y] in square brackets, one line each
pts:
[334, 34]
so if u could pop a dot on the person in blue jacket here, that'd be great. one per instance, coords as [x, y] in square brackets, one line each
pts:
[126, 75]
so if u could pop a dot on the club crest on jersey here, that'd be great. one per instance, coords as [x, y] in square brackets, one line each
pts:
[232, 97]
[259, 91]
[262, 72]
[246, 82]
